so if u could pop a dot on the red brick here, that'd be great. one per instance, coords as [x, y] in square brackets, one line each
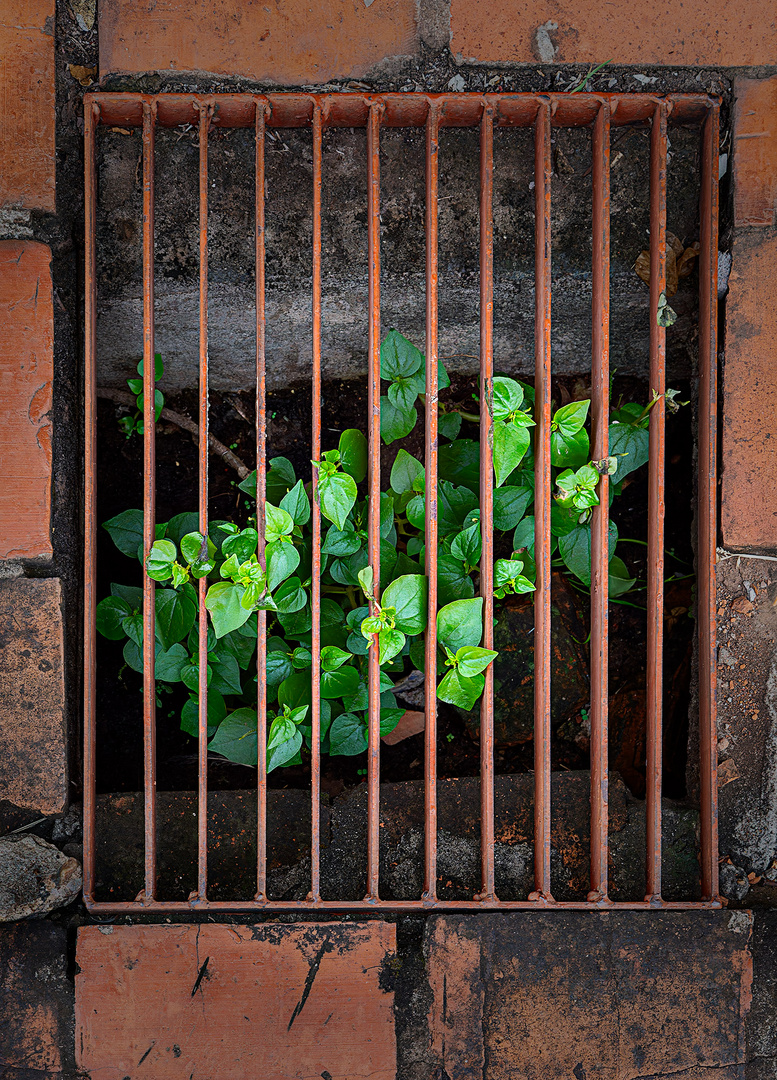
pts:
[270, 1001]
[27, 93]
[749, 437]
[26, 374]
[755, 151]
[697, 32]
[294, 42]
[33, 765]
[560, 995]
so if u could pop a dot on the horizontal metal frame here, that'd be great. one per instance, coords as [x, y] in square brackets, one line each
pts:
[433, 112]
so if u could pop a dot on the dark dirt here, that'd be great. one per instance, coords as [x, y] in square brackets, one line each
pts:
[120, 765]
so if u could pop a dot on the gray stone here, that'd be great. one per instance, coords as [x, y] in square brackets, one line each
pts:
[35, 878]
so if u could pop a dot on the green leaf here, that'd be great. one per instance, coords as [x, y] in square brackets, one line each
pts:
[575, 550]
[511, 442]
[131, 593]
[333, 658]
[242, 544]
[408, 596]
[403, 394]
[391, 644]
[277, 523]
[159, 367]
[523, 537]
[282, 561]
[507, 396]
[340, 543]
[236, 737]
[405, 471]
[295, 690]
[347, 736]
[353, 454]
[399, 357]
[199, 553]
[341, 683]
[109, 615]
[460, 623]
[284, 752]
[395, 423]
[619, 581]
[190, 714]
[570, 418]
[510, 504]
[175, 615]
[168, 664]
[367, 580]
[453, 506]
[297, 504]
[226, 611]
[509, 577]
[126, 531]
[569, 451]
[460, 463]
[291, 596]
[467, 545]
[453, 582]
[449, 425]
[337, 494]
[238, 645]
[459, 690]
[471, 660]
[631, 446]
[159, 564]
[279, 667]
[226, 675]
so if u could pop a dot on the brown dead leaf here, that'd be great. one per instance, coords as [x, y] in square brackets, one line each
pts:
[685, 262]
[120, 131]
[679, 263]
[742, 605]
[83, 75]
[673, 243]
[412, 723]
[727, 771]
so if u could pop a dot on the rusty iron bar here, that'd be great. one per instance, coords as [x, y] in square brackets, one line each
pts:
[600, 520]
[487, 496]
[707, 493]
[430, 516]
[542, 502]
[205, 113]
[656, 506]
[149, 505]
[91, 119]
[315, 573]
[373, 481]
[261, 493]
[130, 907]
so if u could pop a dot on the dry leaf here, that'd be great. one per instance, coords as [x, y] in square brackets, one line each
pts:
[742, 605]
[685, 262]
[673, 243]
[412, 723]
[727, 771]
[679, 263]
[121, 131]
[83, 75]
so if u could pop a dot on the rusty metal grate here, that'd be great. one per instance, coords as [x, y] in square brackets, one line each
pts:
[432, 112]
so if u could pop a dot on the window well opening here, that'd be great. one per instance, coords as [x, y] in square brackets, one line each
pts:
[622, 720]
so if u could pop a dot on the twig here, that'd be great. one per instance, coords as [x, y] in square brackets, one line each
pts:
[123, 397]
[721, 554]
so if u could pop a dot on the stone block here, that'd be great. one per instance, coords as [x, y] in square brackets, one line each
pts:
[696, 33]
[33, 767]
[749, 394]
[36, 1003]
[27, 118]
[293, 43]
[26, 375]
[540, 996]
[271, 1001]
[755, 151]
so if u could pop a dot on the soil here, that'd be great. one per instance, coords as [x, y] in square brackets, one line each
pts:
[120, 471]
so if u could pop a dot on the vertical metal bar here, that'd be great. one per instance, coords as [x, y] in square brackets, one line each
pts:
[600, 387]
[656, 507]
[149, 503]
[373, 479]
[205, 110]
[261, 494]
[91, 118]
[487, 496]
[430, 524]
[315, 648]
[542, 497]
[707, 511]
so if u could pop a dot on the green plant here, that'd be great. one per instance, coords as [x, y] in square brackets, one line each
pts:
[133, 424]
[241, 582]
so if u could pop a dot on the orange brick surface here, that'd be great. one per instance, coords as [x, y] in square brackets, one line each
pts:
[268, 1001]
[755, 151]
[26, 374]
[294, 42]
[27, 95]
[33, 765]
[589, 32]
[749, 437]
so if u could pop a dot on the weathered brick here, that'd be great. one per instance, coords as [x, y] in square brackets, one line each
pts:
[697, 32]
[271, 1001]
[755, 151]
[26, 375]
[749, 437]
[559, 995]
[36, 1002]
[295, 42]
[27, 117]
[33, 766]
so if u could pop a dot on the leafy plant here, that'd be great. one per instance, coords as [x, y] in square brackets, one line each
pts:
[356, 609]
[133, 425]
